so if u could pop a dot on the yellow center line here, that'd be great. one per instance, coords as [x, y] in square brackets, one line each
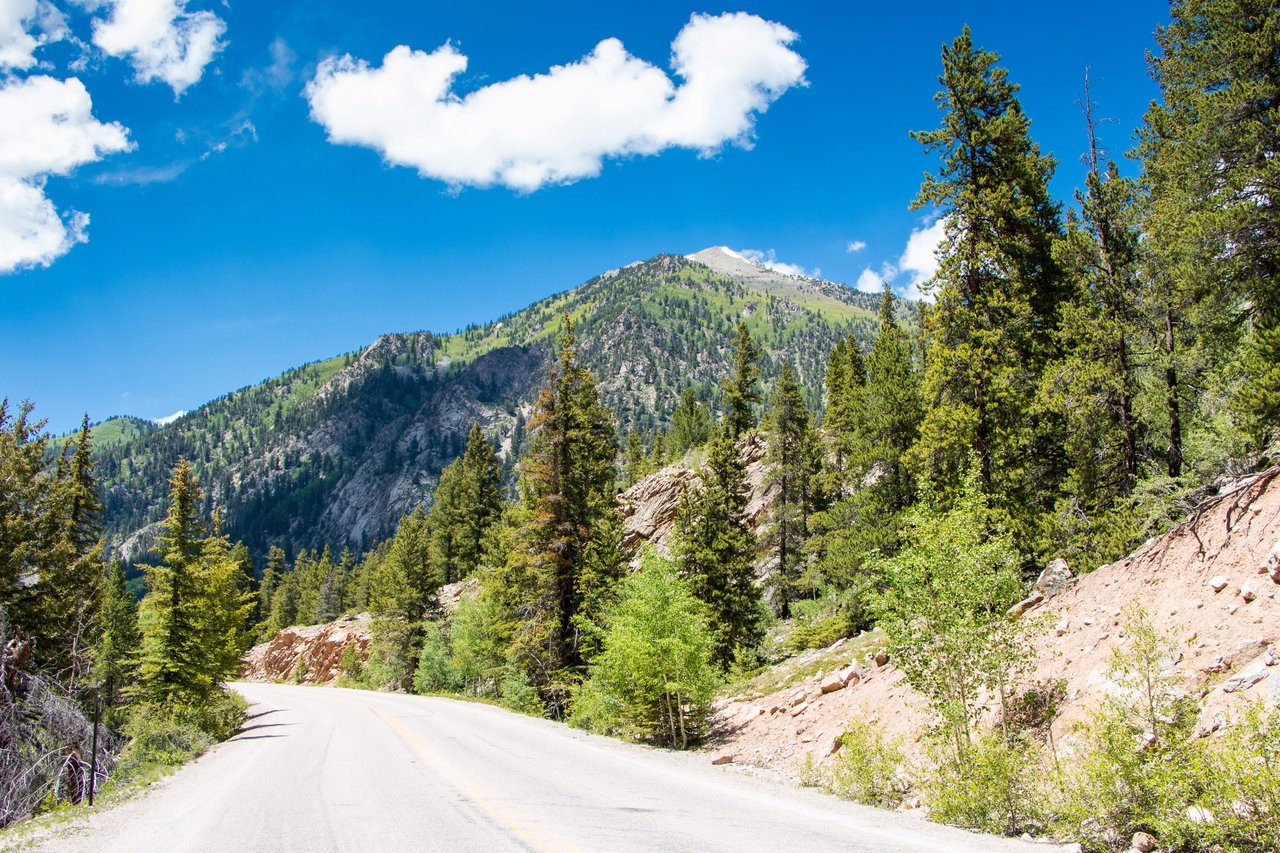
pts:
[504, 813]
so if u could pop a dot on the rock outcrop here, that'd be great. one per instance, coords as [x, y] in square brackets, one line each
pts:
[649, 507]
[309, 654]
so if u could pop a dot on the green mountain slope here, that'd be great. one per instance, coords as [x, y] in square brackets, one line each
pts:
[335, 451]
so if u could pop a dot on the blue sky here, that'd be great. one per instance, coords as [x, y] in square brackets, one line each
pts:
[262, 189]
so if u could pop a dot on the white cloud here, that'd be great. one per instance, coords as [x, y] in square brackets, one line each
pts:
[18, 20]
[855, 246]
[769, 260]
[557, 127]
[870, 281]
[168, 419]
[162, 39]
[46, 128]
[920, 257]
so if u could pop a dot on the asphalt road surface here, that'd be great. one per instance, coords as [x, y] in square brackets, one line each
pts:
[323, 769]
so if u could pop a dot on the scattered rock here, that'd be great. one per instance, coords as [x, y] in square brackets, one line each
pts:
[1025, 604]
[1143, 842]
[1218, 583]
[831, 683]
[723, 758]
[1248, 592]
[1053, 579]
[1271, 564]
[1061, 628]
[1199, 814]
[849, 675]
[1248, 677]
[882, 657]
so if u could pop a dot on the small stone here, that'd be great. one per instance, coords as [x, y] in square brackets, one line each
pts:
[1143, 842]
[1061, 628]
[1231, 610]
[1248, 592]
[1199, 814]
[1198, 604]
[1218, 583]
[831, 684]
[882, 657]
[798, 710]
[723, 758]
[1245, 679]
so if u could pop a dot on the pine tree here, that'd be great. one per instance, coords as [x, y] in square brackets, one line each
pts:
[1211, 149]
[556, 569]
[169, 618]
[997, 291]
[690, 423]
[741, 391]
[633, 463]
[272, 576]
[716, 551]
[482, 499]
[193, 616]
[794, 466]
[1095, 383]
[114, 661]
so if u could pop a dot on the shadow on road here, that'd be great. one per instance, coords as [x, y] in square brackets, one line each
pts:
[244, 730]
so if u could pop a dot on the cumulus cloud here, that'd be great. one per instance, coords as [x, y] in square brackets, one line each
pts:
[46, 128]
[769, 260]
[870, 281]
[557, 127]
[920, 257]
[161, 39]
[855, 246]
[20, 21]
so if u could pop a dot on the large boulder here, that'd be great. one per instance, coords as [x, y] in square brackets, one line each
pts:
[1054, 578]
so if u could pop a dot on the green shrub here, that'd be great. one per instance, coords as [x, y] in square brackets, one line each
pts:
[992, 785]
[653, 679]
[868, 768]
[434, 673]
[157, 735]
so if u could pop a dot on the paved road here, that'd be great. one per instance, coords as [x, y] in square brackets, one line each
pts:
[322, 769]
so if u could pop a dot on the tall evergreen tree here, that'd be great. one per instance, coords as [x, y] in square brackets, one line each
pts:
[193, 616]
[467, 502]
[866, 519]
[794, 466]
[1212, 157]
[114, 662]
[717, 550]
[272, 576]
[741, 390]
[554, 575]
[997, 291]
[1104, 336]
[690, 423]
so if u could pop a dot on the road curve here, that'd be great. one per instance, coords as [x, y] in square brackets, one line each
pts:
[323, 769]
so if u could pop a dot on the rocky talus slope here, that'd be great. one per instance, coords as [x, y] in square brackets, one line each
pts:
[1211, 585]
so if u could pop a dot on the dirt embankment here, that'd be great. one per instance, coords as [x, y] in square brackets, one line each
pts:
[308, 653]
[1210, 584]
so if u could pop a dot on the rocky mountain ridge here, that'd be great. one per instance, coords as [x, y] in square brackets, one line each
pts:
[334, 452]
